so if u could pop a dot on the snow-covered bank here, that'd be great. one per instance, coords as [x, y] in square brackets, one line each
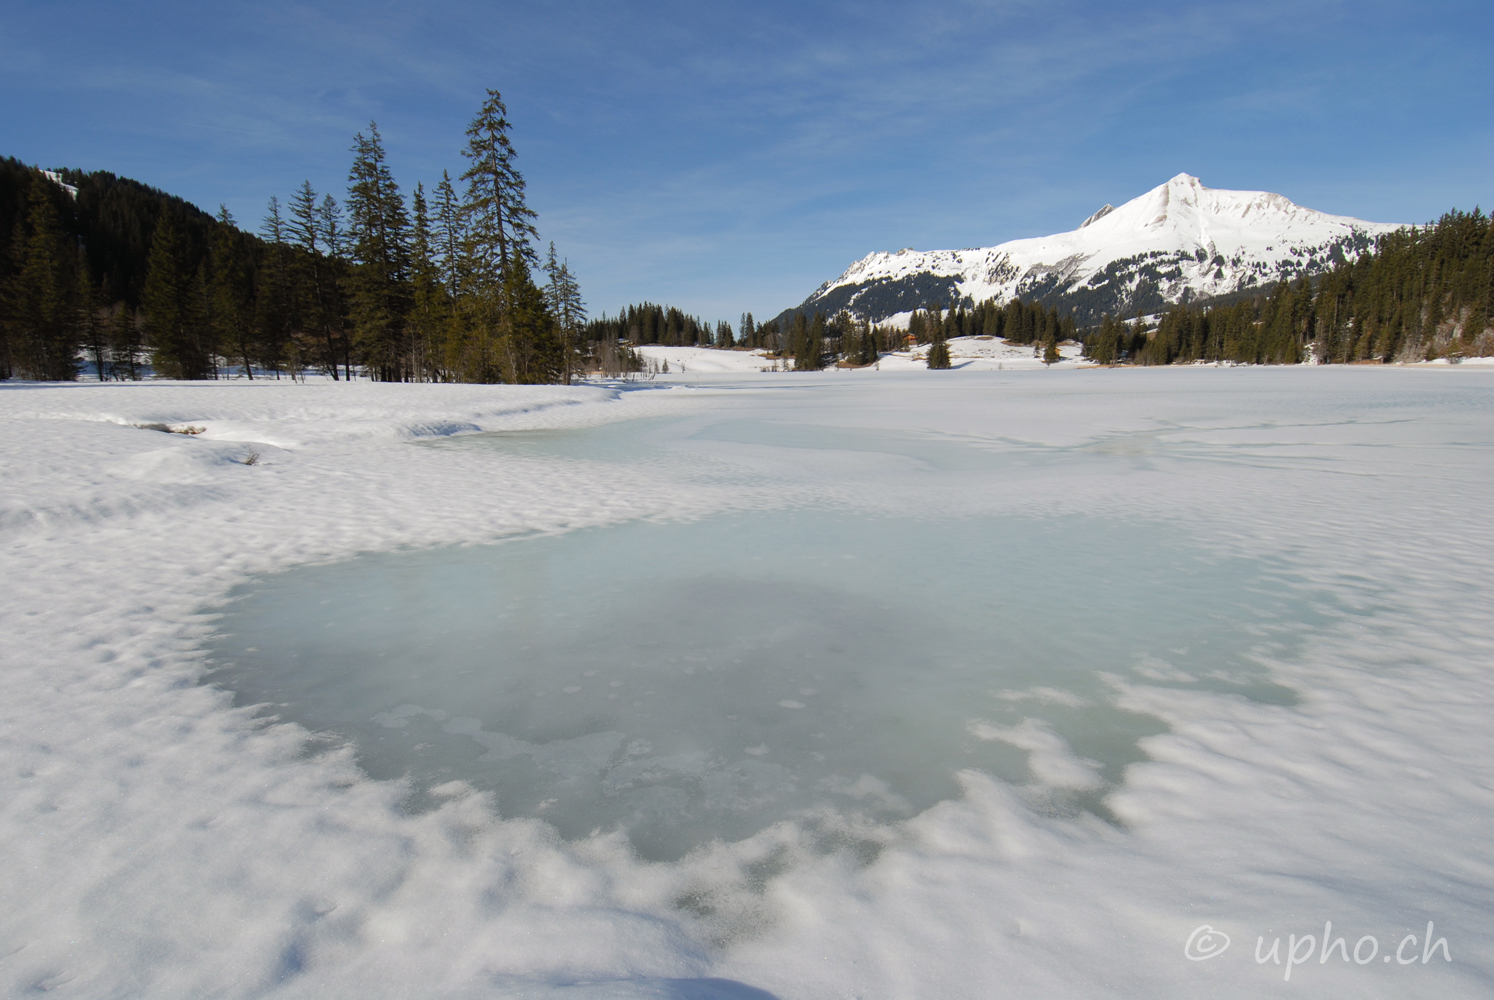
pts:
[973, 353]
[966, 354]
[161, 843]
[983, 354]
[705, 360]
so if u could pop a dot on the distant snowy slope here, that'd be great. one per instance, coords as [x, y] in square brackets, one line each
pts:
[1178, 241]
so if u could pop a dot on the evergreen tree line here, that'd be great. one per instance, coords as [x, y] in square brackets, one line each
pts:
[810, 342]
[647, 323]
[1015, 321]
[73, 256]
[813, 341]
[1419, 294]
[437, 288]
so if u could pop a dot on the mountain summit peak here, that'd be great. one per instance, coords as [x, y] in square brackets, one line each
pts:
[1098, 215]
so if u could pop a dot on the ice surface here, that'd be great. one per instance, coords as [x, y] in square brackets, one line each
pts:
[160, 840]
[686, 682]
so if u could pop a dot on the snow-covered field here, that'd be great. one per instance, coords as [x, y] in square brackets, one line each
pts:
[971, 353]
[983, 354]
[160, 842]
[704, 360]
[975, 353]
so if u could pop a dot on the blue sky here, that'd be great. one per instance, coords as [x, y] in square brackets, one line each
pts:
[731, 156]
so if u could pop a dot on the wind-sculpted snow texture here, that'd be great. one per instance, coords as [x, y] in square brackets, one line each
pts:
[161, 841]
[1178, 242]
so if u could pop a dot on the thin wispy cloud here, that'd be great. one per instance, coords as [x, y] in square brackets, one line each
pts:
[731, 156]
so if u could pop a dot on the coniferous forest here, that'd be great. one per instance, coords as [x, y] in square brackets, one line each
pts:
[1421, 294]
[109, 276]
[104, 276]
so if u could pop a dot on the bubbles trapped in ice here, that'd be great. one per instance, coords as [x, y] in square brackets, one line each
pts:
[703, 680]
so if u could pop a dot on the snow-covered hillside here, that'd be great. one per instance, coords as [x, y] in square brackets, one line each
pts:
[1178, 241]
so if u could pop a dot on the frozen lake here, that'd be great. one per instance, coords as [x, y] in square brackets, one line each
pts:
[691, 680]
[921, 685]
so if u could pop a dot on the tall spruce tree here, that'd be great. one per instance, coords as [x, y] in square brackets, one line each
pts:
[499, 224]
[334, 239]
[563, 297]
[448, 235]
[232, 292]
[379, 231]
[92, 331]
[43, 314]
[530, 340]
[173, 300]
[275, 299]
[335, 244]
[125, 347]
[429, 312]
[814, 347]
[497, 253]
[315, 284]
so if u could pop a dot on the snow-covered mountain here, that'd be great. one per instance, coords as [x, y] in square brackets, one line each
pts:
[1180, 241]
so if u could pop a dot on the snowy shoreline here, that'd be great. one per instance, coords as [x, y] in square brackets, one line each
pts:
[164, 843]
[968, 354]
